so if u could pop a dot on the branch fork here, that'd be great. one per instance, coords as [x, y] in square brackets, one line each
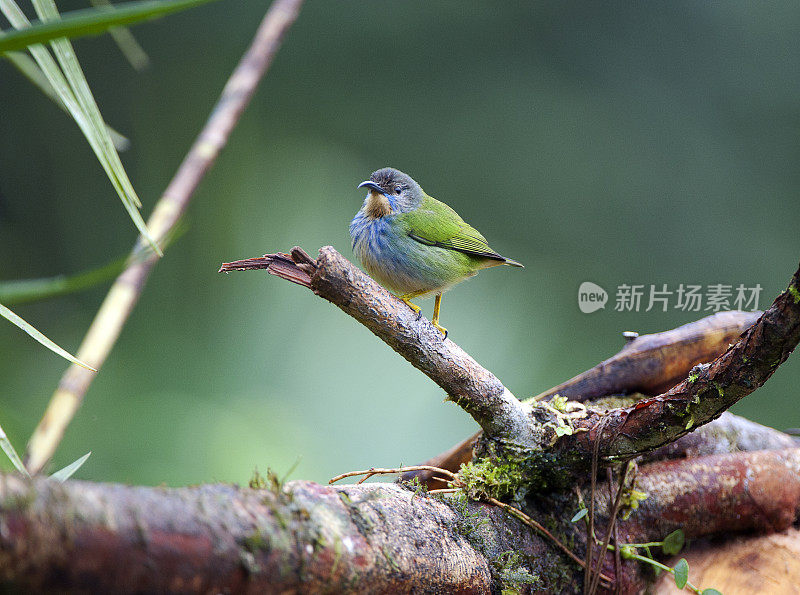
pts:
[524, 431]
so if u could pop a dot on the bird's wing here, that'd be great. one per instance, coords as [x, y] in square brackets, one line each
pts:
[436, 224]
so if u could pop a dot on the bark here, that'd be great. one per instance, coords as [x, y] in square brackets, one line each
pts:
[380, 538]
[651, 364]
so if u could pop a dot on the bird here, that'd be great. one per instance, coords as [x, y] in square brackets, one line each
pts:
[415, 245]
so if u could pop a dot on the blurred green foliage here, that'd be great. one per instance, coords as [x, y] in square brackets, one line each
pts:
[611, 142]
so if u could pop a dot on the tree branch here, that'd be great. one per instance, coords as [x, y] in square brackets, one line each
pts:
[709, 390]
[471, 386]
[125, 292]
[82, 536]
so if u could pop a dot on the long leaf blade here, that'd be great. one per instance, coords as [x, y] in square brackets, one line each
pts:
[92, 21]
[28, 328]
[95, 130]
[24, 291]
[8, 448]
[30, 70]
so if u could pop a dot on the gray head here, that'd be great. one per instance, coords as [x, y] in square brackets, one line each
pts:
[391, 191]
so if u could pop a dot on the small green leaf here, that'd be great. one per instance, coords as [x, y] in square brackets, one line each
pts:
[10, 316]
[673, 543]
[563, 431]
[64, 474]
[8, 448]
[681, 572]
[91, 21]
[710, 592]
[579, 515]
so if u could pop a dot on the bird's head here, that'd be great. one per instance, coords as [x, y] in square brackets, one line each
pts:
[390, 191]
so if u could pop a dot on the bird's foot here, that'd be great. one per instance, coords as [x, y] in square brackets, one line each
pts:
[441, 329]
[413, 306]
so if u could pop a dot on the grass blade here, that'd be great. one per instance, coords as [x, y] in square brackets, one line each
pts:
[30, 70]
[126, 42]
[91, 21]
[76, 96]
[109, 158]
[28, 328]
[8, 448]
[32, 290]
[64, 474]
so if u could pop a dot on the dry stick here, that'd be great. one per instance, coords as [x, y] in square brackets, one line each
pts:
[516, 512]
[587, 574]
[617, 556]
[124, 294]
[612, 523]
[380, 471]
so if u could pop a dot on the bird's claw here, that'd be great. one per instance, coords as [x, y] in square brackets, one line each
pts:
[414, 307]
[441, 329]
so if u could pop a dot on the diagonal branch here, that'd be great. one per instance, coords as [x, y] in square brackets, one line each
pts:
[123, 295]
[475, 389]
[703, 396]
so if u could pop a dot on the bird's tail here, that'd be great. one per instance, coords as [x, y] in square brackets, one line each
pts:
[514, 263]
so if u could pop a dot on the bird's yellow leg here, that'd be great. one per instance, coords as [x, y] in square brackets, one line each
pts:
[435, 320]
[410, 296]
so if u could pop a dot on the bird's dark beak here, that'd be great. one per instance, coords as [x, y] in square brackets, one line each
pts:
[371, 185]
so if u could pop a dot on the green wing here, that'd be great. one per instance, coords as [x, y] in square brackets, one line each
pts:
[436, 224]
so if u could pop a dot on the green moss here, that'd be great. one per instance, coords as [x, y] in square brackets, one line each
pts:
[559, 403]
[488, 478]
[269, 482]
[389, 558]
[256, 541]
[362, 522]
[795, 293]
[630, 500]
[511, 573]
[337, 551]
[693, 377]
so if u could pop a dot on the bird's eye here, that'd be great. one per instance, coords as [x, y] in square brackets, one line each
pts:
[398, 190]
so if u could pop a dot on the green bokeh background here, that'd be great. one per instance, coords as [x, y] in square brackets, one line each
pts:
[613, 142]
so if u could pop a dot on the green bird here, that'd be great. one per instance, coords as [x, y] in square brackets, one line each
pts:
[415, 245]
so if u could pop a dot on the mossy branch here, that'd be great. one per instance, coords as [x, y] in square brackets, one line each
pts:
[82, 536]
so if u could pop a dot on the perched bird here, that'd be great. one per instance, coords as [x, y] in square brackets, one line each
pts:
[413, 244]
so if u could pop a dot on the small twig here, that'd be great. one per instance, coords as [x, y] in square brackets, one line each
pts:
[381, 471]
[612, 523]
[587, 574]
[615, 537]
[539, 527]
[367, 473]
[123, 295]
